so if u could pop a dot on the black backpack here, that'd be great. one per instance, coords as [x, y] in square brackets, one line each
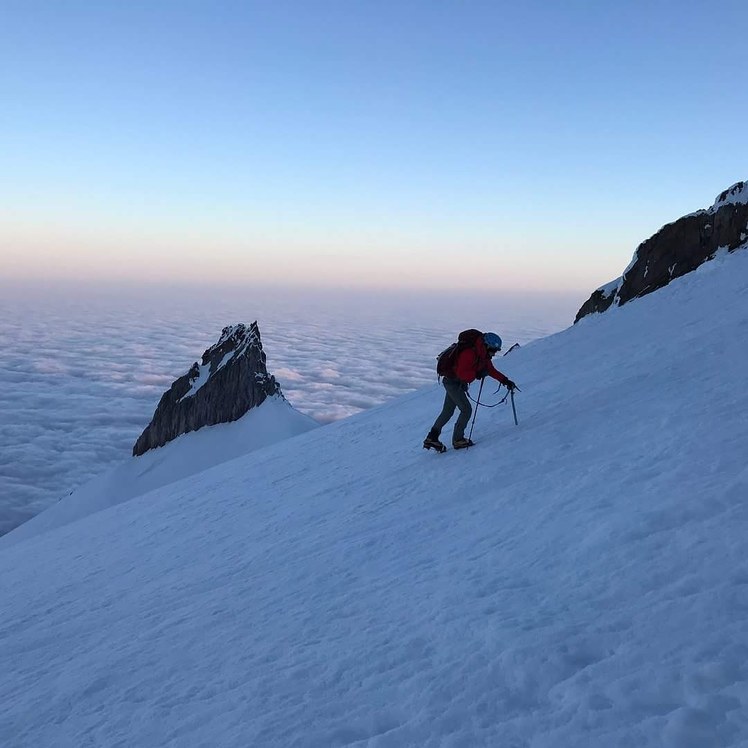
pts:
[447, 359]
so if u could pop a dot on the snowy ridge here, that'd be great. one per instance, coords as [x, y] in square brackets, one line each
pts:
[734, 195]
[578, 580]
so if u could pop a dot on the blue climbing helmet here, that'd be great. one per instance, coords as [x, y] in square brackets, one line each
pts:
[492, 341]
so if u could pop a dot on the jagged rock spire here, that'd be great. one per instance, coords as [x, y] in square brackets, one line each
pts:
[230, 380]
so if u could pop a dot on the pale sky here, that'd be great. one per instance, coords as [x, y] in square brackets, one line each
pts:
[427, 144]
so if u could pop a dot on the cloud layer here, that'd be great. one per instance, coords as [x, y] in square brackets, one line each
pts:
[83, 369]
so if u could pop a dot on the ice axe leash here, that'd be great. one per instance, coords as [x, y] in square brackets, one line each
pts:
[494, 405]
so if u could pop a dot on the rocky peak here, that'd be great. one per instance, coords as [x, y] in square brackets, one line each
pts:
[678, 248]
[230, 379]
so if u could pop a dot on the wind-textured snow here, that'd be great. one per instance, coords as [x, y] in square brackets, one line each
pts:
[578, 580]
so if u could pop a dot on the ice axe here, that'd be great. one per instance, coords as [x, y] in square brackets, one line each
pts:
[514, 409]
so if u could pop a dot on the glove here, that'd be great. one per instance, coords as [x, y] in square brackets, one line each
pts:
[510, 385]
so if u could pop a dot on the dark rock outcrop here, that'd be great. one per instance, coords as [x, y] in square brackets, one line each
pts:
[230, 379]
[600, 300]
[677, 249]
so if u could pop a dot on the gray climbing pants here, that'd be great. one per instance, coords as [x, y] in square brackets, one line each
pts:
[455, 397]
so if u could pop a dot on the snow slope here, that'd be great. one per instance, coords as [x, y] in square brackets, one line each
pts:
[274, 420]
[578, 580]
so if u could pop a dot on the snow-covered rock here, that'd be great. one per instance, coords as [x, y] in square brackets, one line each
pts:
[602, 298]
[231, 379]
[735, 195]
[676, 249]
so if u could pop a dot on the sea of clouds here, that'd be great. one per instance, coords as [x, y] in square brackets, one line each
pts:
[82, 368]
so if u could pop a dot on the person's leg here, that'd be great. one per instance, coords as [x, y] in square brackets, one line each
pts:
[466, 410]
[447, 410]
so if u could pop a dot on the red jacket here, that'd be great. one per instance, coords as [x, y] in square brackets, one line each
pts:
[474, 361]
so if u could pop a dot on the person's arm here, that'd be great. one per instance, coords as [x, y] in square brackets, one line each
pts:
[492, 371]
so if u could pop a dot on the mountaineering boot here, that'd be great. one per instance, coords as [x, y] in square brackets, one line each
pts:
[462, 443]
[432, 442]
